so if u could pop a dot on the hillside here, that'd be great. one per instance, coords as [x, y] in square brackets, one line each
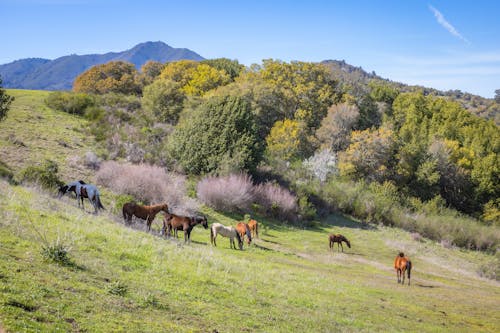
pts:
[122, 279]
[59, 74]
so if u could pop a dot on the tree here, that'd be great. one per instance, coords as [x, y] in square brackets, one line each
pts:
[336, 127]
[115, 76]
[162, 101]
[219, 134]
[284, 140]
[232, 67]
[150, 71]
[5, 101]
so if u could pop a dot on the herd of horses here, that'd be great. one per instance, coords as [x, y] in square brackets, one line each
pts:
[175, 223]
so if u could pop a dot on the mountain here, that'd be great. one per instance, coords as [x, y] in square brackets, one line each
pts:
[59, 74]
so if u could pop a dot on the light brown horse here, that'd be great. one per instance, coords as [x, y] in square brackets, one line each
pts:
[338, 238]
[147, 213]
[402, 263]
[242, 229]
[184, 223]
[254, 228]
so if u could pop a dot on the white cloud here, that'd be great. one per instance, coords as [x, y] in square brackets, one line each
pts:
[447, 25]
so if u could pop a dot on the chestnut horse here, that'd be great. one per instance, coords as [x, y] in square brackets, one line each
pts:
[254, 228]
[184, 223]
[230, 232]
[147, 213]
[243, 229]
[402, 263]
[338, 238]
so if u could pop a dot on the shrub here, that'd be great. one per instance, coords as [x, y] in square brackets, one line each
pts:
[117, 288]
[5, 172]
[57, 253]
[74, 103]
[46, 175]
[233, 193]
[277, 201]
[147, 183]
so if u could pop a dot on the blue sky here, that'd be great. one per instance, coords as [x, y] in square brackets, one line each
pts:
[440, 44]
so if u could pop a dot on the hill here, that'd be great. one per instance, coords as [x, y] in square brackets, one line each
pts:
[59, 74]
[109, 277]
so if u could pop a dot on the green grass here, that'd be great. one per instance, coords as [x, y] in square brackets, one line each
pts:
[32, 132]
[123, 279]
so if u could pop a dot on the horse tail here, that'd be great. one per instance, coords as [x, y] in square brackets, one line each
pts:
[99, 203]
[212, 235]
[249, 234]
[238, 236]
[408, 268]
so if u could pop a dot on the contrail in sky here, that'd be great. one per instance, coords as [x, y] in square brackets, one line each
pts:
[447, 25]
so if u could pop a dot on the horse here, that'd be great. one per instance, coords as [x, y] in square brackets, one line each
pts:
[254, 228]
[71, 187]
[184, 223]
[338, 238]
[402, 263]
[147, 213]
[243, 229]
[230, 232]
[83, 190]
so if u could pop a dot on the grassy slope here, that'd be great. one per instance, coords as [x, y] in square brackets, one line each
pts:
[287, 282]
[33, 132]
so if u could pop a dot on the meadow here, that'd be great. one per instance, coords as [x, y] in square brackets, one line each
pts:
[64, 269]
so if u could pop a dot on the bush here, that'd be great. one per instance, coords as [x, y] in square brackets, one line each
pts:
[277, 201]
[147, 183]
[74, 103]
[233, 193]
[118, 288]
[45, 175]
[57, 253]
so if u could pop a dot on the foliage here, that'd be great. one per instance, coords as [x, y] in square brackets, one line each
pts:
[221, 129]
[232, 67]
[113, 77]
[45, 175]
[117, 288]
[5, 101]
[73, 103]
[58, 253]
[277, 201]
[231, 193]
[285, 140]
[6, 172]
[336, 127]
[162, 101]
[150, 71]
[146, 183]
[322, 164]
[369, 156]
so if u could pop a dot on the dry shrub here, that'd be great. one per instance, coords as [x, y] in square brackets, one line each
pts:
[276, 200]
[230, 193]
[148, 184]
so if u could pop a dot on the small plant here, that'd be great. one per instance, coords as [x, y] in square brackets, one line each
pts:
[118, 288]
[46, 175]
[57, 253]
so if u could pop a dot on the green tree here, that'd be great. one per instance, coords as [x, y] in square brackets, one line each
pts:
[5, 101]
[219, 132]
[162, 101]
[336, 127]
[150, 71]
[115, 76]
[232, 67]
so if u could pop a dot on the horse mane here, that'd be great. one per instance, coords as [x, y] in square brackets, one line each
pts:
[82, 182]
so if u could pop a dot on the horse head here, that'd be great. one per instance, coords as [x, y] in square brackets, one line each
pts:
[348, 243]
[63, 190]
[203, 220]
[164, 208]
[401, 254]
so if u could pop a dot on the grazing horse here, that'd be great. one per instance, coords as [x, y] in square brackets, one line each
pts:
[230, 232]
[92, 193]
[71, 187]
[147, 213]
[338, 238]
[243, 229]
[402, 264]
[254, 228]
[184, 223]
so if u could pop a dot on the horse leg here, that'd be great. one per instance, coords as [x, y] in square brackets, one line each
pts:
[403, 276]
[341, 246]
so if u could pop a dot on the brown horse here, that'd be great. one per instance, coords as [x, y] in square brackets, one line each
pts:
[254, 228]
[402, 263]
[338, 238]
[243, 229]
[147, 213]
[184, 223]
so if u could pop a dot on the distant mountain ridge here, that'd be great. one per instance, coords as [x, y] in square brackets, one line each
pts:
[59, 74]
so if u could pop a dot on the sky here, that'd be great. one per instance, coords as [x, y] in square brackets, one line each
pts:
[440, 44]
